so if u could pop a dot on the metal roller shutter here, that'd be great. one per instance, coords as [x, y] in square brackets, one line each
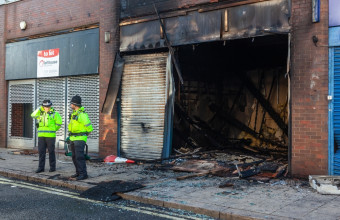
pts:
[336, 112]
[143, 100]
[88, 89]
[22, 91]
[54, 90]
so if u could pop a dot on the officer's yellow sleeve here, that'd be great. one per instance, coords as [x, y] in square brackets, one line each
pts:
[58, 121]
[36, 113]
[84, 118]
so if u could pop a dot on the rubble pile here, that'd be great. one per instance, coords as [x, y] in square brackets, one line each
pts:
[231, 164]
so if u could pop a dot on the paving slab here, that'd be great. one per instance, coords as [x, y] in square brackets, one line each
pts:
[278, 199]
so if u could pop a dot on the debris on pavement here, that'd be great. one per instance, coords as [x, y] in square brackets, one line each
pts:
[24, 152]
[112, 159]
[226, 184]
[228, 165]
[197, 166]
[327, 185]
[107, 191]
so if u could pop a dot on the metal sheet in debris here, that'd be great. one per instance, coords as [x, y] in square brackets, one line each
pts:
[143, 102]
[327, 185]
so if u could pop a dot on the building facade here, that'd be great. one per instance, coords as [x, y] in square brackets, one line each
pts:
[238, 70]
[54, 50]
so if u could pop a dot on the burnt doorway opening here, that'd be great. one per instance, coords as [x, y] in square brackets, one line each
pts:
[234, 96]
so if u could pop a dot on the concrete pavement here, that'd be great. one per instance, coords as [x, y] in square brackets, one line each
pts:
[278, 199]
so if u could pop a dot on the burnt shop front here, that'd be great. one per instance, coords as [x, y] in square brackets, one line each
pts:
[220, 53]
[56, 68]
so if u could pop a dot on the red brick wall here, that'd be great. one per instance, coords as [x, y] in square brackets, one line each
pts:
[3, 84]
[43, 16]
[309, 89]
[17, 128]
[109, 21]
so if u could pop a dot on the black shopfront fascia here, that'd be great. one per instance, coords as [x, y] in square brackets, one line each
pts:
[78, 54]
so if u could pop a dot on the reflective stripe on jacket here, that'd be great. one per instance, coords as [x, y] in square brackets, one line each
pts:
[49, 122]
[79, 124]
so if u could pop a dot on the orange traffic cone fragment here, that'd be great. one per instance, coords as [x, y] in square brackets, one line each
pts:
[114, 159]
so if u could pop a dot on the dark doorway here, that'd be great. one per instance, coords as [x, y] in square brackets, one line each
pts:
[22, 122]
[235, 96]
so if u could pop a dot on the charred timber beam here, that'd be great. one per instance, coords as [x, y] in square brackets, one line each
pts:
[196, 125]
[205, 173]
[201, 126]
[265, 104]
[238, 124]
[268, 98]
[206, 131]
[185, 139]
[171, 49]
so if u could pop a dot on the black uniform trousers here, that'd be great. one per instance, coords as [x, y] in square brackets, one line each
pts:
[43, 144]
[78, 157]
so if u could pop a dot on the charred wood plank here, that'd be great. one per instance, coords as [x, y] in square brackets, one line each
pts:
[191, 142]
[265, 103]
[268, 98]
[171, 49]
[247, 173]
[213, 136]
[238, 124]
[243, 165]
[209, 172]
[172, 157]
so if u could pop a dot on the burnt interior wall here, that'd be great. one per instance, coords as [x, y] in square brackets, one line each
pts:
[215, 95]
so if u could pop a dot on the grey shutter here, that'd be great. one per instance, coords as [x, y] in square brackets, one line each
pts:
[143, 99]
[336, 112]
[87, 87]
[54, 90]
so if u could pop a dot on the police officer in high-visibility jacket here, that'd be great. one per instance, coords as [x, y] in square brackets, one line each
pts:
[79, 128]
[49, 121]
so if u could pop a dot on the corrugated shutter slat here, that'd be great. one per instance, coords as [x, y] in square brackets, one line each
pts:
[143, 102]
[336, 113]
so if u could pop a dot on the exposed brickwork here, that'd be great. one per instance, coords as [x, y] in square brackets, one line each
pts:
[3, 83]
[309, 90]
[44, 16]
[109, 20]
[17, 128]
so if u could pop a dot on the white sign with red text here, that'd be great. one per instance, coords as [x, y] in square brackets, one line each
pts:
[48, 63]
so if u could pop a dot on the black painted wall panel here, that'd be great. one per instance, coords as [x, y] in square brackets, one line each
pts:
[79, 54]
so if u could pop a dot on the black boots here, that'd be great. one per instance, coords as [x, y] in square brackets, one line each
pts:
[81, 177]
[75, 175]
[39, 170]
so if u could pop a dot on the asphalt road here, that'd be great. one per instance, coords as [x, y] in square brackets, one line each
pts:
[22, 200]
